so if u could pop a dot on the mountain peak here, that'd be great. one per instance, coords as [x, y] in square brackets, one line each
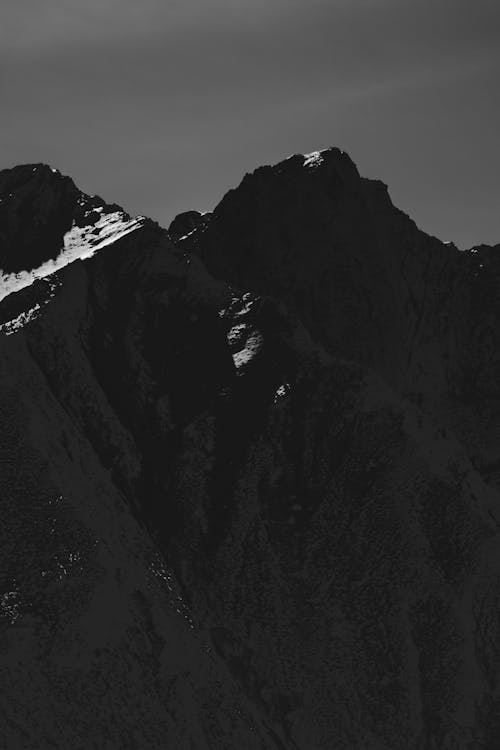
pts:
[328, 157]
[47, 222]
[15, 178]
[326, 161]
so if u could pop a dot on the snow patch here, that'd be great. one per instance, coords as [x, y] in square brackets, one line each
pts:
[185, 236]
[15, 324]
[313, 160]
[239, 306]
[83, 242]
[281, 392]
[249, 301]
[252, 346]
[80, 243]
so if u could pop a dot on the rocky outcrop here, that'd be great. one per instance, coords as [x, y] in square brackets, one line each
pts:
[255, 505]
[46, 223]
[185, 223]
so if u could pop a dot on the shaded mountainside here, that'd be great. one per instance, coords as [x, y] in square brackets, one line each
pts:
[249, 471]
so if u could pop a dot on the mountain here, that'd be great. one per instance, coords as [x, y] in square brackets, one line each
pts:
[250, 471]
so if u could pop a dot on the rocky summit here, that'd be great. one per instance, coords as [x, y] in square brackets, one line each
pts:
[249, 471]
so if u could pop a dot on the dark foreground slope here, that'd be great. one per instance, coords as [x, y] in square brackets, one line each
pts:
[254, 506]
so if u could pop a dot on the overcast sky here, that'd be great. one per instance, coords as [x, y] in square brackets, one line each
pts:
[163, 105]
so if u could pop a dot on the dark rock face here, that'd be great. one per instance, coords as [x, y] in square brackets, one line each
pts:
[37, 206]
[185, 223]
[332, 246]
[254, 506]
[368, 285]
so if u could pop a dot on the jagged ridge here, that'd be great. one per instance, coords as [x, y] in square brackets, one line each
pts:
[294, 444]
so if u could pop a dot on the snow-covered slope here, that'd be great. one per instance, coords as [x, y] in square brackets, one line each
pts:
[31, 210]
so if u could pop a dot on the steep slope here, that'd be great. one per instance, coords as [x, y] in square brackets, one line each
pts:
[98, 647]
[243, 508]
[46, 223]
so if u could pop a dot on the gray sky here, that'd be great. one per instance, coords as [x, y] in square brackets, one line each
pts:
[163, 105]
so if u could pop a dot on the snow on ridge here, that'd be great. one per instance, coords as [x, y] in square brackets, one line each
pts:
[80, 243]
[313, 160]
